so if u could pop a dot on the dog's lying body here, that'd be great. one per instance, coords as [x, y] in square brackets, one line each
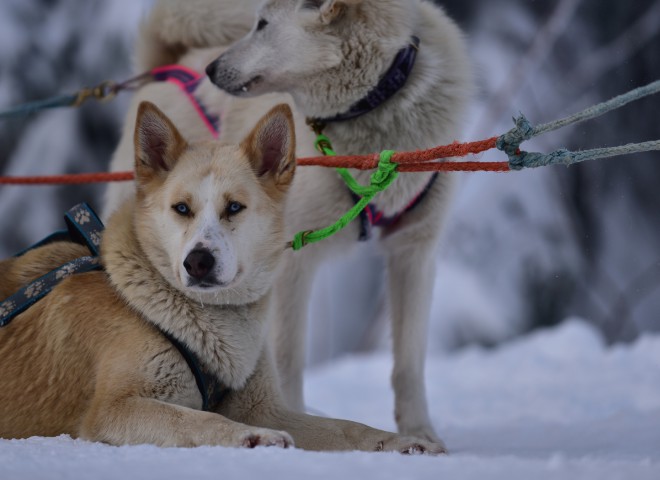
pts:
[326, 55]
[193, 256]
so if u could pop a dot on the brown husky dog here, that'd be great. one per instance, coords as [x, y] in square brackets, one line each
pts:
[115, 355]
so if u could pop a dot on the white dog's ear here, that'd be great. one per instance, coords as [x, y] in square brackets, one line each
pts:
[271, 146]
[158, 143]
[330, 10]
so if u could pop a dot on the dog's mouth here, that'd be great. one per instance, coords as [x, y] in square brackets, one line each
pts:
[204, 284]
[211, 283]
[246, 87]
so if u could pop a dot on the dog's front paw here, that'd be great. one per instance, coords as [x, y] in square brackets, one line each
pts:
[263, 437]
[410, 446]
[424, 432]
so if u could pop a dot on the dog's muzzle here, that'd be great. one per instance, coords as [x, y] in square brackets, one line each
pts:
[212, 70]
[228, 79]
[199, 264]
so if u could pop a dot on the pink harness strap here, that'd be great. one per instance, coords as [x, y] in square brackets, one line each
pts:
[372, 217]
[188, 80]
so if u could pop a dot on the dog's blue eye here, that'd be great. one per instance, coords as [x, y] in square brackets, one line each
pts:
[262, 24]
[182, 209]
[234, 207]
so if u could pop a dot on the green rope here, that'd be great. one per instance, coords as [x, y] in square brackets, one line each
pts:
[379, 181]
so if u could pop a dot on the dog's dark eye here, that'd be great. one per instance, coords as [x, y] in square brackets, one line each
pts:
[234, 207]
[261, 24]
[182, 209]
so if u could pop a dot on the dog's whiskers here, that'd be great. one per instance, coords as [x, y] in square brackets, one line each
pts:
[201, 300]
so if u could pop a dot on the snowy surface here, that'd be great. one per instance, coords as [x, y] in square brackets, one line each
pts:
[555, 404]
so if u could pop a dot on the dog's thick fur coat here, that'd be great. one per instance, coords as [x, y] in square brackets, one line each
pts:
[91, 360]
[323, 56]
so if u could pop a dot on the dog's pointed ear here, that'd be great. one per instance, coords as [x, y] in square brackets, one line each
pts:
[158, 143]
[330, 10]
[271, 146]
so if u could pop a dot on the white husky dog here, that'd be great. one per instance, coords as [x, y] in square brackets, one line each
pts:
[374, 74]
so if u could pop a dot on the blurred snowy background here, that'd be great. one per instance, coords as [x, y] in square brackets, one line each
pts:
[519, 251]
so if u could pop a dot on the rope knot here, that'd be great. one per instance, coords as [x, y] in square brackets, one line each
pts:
[323, 145]
[379, 181]
[386, 173]
[534, 159]
[299, 240]
[510, 142]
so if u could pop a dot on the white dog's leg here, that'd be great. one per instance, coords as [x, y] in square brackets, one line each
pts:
[289, 325]
[411, 274]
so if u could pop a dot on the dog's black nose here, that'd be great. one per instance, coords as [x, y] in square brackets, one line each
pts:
[211, 70]
[199, 263]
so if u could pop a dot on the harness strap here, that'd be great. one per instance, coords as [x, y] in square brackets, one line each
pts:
[390, 83]
[39, 288]
[212, 390]
[372, 217]
[84, 228]
[188, 80]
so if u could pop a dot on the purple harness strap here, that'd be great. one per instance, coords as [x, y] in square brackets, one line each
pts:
[188, 80]
[392, 81]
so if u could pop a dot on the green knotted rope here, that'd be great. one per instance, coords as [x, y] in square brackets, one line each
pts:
[379, 181]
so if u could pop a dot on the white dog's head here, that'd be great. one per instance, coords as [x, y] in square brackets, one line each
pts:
[209, 216]
[332, 47]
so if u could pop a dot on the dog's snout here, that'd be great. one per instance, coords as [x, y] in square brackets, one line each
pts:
[226, 77]
[199, 263]
[212, 69]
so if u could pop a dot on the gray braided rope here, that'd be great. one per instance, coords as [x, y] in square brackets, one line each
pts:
[37, 106]
[566, 157]
[510, 142]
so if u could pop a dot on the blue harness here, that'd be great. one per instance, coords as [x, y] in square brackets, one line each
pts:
[85, 227]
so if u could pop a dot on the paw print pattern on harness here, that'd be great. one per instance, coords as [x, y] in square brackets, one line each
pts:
[84, 228]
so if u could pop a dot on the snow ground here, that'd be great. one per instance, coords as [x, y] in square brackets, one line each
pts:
[555, 404]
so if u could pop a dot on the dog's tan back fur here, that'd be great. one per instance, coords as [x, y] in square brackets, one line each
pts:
[58, 354]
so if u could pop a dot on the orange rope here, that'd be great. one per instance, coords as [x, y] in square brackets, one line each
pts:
[453, 150]
[455, 167]
[367, 162]
[415, 161]
[69, 179]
